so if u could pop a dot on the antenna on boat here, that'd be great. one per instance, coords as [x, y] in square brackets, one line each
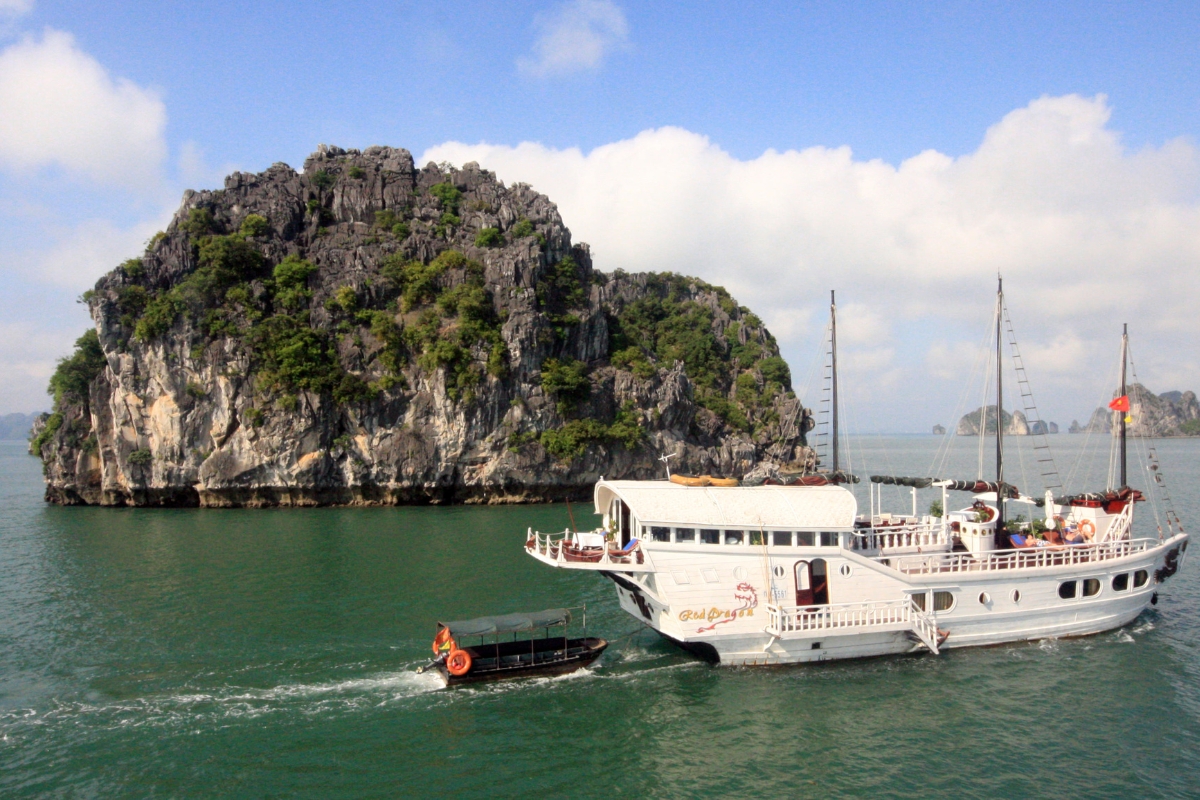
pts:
[1124, 393]
[999, 407]
[663, 458]
[834, 398]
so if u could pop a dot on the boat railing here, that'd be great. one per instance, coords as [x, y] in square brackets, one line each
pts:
[783, 620]
[906, 536]
[586, 550]
[1024, 558]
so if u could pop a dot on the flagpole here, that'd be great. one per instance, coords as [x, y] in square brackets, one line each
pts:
[1124, 393]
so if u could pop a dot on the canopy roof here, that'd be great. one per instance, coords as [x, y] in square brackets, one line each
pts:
[509, 623]
[744, 507]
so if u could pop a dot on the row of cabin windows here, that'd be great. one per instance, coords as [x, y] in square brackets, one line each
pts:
[1069, 590]
[734, 537]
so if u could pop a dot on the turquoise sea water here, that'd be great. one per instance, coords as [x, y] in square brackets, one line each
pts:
[271, 653]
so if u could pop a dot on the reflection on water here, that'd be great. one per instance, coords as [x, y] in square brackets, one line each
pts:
[272, 652]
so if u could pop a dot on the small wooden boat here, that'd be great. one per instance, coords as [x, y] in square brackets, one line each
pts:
[494, 660]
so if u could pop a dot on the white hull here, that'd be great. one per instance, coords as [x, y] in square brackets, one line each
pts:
[1039, 614]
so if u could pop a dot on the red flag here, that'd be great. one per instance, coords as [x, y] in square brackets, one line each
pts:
[1120, 404]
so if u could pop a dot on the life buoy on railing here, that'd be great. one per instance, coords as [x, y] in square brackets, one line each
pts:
[1087, 528]
[458, 663]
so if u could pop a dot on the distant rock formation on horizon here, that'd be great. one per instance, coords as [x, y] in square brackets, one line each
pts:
[939, 430]
[1171, 413]
[1015, 423]
[17, 426]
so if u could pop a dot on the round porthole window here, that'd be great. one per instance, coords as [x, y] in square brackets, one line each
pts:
[739, 573]
[1016, 595]
[984, 598]
[778, 571]
[845, 570]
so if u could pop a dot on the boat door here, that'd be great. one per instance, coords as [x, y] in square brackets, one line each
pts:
[624, 524]
[812, 583]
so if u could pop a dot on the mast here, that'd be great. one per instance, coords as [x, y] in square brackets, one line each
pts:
[1121, 424]
[999, 407]
[833, 350]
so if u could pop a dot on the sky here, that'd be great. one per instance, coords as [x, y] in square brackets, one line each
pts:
[903, 154]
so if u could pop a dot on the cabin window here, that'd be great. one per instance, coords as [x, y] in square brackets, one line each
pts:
[781, 538]
[1120, 582]
[845, 570]
[1091, 587]
[1066, 590]
[943, 601]
[660, 534]
[757, 537]
[708, 536]
[984, 598]
[919, 600]
[1015, 595]
[804, 538]
[685, 534]
[734, 537]
[1139, 578]
[829, 539]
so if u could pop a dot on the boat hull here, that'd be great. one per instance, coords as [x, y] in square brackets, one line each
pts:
[999, 607]
[542, 662]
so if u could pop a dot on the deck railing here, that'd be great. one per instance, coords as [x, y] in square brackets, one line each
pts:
[1025, 558]
[583, 550]
[924, 535]
[783, 620]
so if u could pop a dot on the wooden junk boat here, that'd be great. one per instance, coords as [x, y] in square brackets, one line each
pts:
[494, 659]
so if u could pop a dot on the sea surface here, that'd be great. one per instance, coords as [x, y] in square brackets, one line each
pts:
[272, 653]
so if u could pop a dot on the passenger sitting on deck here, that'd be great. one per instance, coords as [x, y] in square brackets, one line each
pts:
[1072, 536]
[1024, 540]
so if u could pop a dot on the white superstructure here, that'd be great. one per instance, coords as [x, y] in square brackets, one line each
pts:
[786, 574]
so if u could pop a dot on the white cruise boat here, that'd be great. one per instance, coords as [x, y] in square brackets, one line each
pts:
[780, 574]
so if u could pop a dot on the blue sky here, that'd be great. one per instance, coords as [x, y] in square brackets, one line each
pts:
[1059, 142]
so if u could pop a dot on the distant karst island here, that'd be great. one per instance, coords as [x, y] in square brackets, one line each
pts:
[939, 430]
[1015, 423]
[367, 332]
[1151, 415]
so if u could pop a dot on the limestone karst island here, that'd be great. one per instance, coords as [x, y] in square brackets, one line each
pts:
[366, 332]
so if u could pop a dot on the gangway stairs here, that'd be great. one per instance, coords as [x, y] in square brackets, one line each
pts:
[925, 630]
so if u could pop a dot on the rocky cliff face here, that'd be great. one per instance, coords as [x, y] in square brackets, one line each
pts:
[1166, 414]
[369, 332]
[1015, 424]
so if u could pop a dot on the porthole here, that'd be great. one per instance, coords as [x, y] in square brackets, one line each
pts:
[984, 598]
[1066, 590]
[845, 570]
[1015, 594]
[943, 601]
[1139, 578]
[777, 571]
[1091, 587]
[1120, 582]
[739, 573]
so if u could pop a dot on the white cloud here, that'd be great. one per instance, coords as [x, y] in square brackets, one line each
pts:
[577, 36]
[28, 354]
[82, 254]
[15, 7]
[60, 107]
[1087, 234]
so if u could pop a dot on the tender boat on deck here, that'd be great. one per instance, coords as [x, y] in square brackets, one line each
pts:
[494, 659]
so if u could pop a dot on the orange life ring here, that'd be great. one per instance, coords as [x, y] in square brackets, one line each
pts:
[458, 663]
[1087, 528]
[443, 642]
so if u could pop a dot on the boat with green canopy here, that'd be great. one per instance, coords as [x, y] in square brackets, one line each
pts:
[497, 657]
